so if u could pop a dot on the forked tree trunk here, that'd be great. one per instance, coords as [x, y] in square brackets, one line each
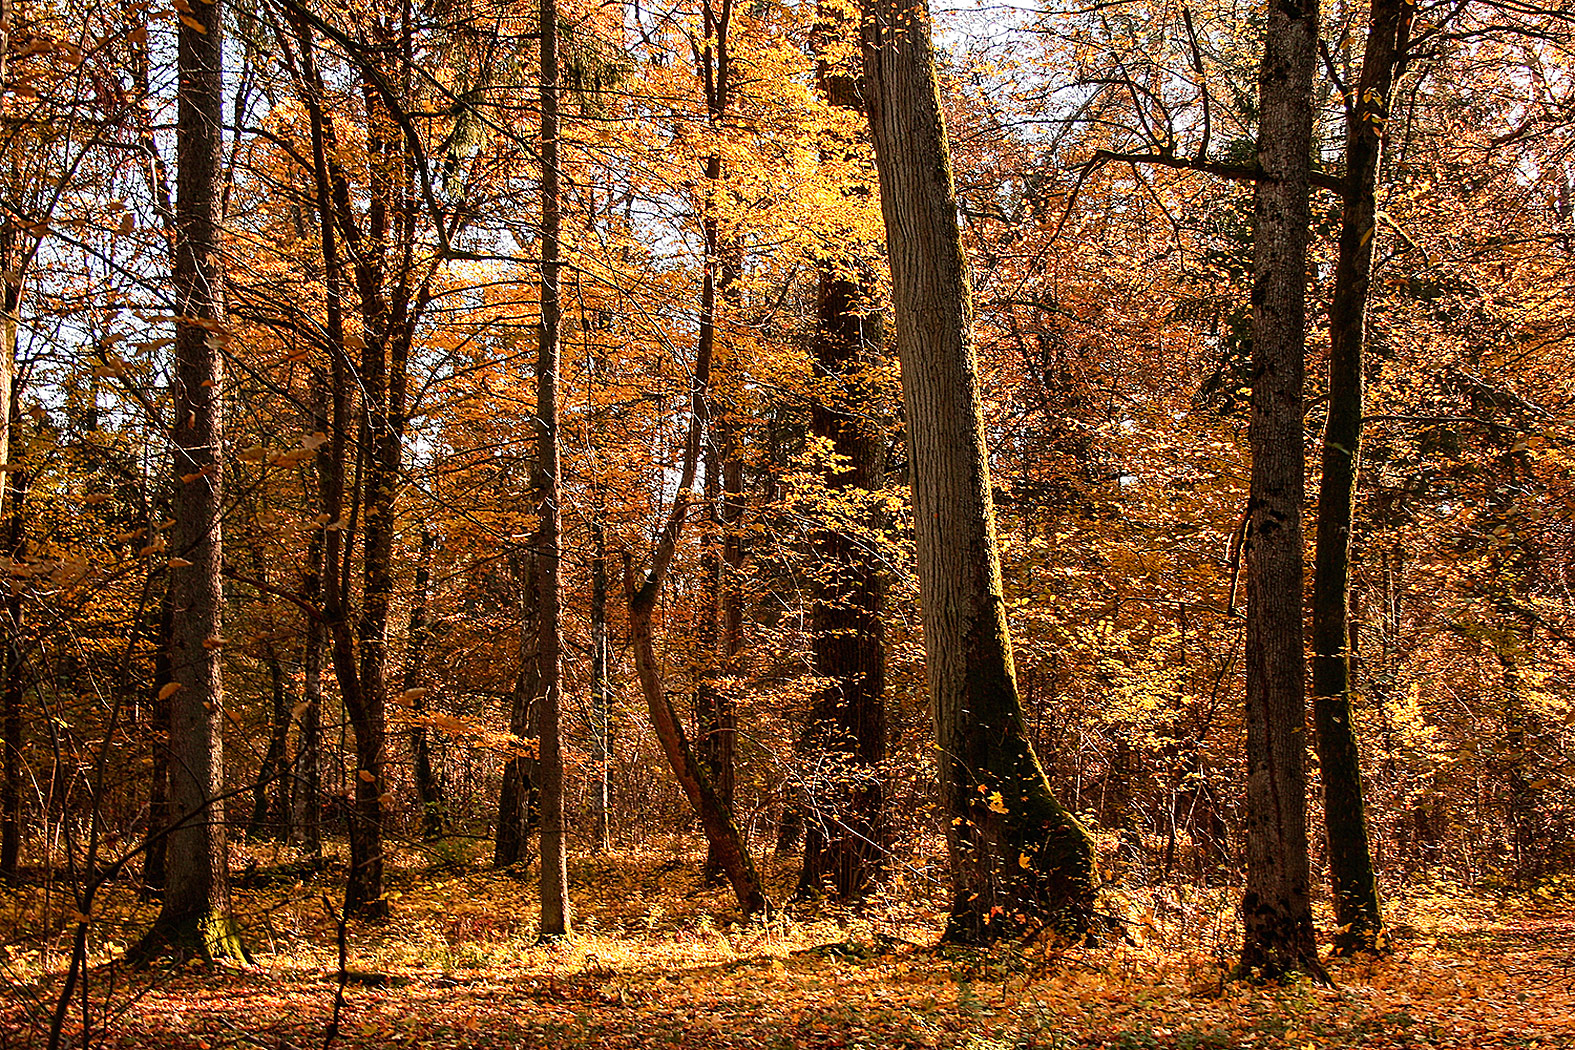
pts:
[724, 841]
[196, 916]
[1019, 859]
[1275, 911]
[549, 644]
[1358, 916]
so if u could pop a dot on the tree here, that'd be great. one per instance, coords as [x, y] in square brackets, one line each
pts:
[846, 827]
[1275, 908]
[549, 637]
[1358, 918]
[195, 916]
[1018, 857]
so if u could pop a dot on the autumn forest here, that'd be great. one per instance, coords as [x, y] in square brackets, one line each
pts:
[751, 523]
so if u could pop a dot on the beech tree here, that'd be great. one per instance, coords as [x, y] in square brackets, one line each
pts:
[1018, 857]
[1275, 907]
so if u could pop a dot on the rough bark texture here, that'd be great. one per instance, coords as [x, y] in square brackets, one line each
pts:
[1279, 931]
[1358, 915]
[1019, 859]
[196, 916]
[549, 645]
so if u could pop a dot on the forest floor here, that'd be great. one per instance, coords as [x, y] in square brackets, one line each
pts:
[659, 960]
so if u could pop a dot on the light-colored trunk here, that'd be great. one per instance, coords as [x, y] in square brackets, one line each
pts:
[1018, 858]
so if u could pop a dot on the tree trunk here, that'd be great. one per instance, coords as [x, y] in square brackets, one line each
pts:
[1019, 859]
[307, 794]
[264, 822]
[11, 689]
[846, 836]
[1358, 915]
[196, 915]
[429, 792]
[554, 863]
[724, 841]
[1275, 912]
[601, 692]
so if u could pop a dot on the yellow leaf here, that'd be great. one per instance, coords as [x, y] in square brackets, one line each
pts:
[366, 774]
[170, 690]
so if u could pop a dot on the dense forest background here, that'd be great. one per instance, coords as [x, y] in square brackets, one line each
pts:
[380, 186]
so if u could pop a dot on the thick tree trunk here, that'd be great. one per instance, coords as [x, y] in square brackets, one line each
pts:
[1019, 859]
[1358, 915]
[1275, 911]
[554, 862]
[196, 916]
[846, 834]
[429, 791]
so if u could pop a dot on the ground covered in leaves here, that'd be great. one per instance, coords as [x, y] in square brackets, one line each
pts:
[661, 961]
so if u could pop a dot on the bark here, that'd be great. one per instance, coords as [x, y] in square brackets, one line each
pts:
[196, 915]
[1018, 858]
[549, 644]
[429, 791]
[1358, 914]
[1275, 912]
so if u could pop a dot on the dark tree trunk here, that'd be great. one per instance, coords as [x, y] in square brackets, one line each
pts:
[265, 821]
[1275, 911]
[1018, 857]
[1358, 915]
[11, 689]
[846, 834]
[601, 692]
[518, 801]
[196, 916]
[307, 794]
[429, 791]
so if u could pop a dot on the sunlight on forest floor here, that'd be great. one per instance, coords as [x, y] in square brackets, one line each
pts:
[661, 960]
